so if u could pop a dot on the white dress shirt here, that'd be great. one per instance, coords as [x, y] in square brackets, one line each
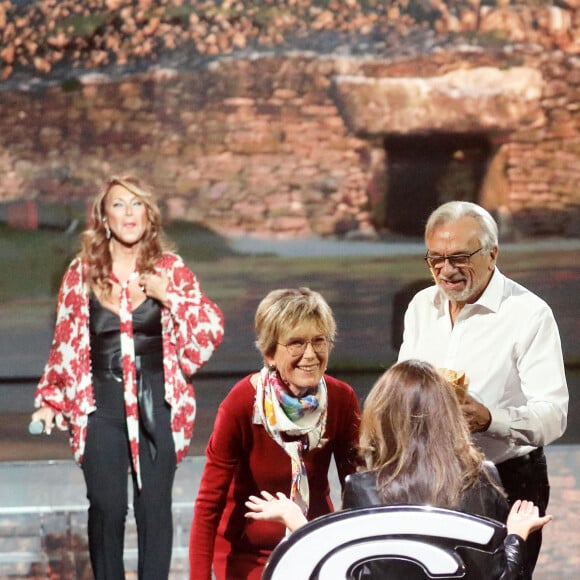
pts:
[509, 346]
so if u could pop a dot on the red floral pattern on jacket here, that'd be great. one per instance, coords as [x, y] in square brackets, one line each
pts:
[192, 329]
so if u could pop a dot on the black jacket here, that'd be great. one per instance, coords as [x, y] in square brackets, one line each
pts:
[482, 499]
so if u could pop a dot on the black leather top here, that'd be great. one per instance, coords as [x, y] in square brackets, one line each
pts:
[104, 327]
[482, 499]
[107, 368]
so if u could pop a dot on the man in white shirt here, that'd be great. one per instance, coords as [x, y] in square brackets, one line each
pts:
[506, 340]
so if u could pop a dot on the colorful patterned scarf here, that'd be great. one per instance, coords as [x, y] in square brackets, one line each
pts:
[304, 417]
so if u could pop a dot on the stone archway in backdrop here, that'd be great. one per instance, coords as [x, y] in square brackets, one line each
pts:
[440, 138]
[424, 171]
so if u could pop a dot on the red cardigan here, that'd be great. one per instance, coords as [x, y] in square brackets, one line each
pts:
[242, 459]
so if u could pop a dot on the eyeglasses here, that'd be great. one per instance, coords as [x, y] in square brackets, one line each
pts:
[455, 260]
[297, 347]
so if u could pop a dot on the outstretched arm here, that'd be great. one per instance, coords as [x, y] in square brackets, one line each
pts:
[524, 519]
[278, 509]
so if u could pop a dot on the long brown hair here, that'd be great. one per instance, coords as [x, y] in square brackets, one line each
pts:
[414, 436]
[95, 251]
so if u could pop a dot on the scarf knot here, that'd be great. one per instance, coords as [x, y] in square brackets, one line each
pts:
[296, 408]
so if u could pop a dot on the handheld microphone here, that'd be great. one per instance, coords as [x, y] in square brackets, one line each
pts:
[36, 427]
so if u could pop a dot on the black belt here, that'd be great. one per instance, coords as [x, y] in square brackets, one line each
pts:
[531, 457]
[112, 362]
[152, 361]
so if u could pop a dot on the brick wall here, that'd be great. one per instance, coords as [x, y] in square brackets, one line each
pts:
[257, 145]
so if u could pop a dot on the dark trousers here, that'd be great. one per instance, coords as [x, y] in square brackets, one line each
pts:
[527, 478]
[106, 465]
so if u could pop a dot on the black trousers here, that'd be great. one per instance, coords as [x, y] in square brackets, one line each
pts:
[527, 478]
[105, 466]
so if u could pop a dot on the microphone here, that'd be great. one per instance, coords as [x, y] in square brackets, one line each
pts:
[36, 427]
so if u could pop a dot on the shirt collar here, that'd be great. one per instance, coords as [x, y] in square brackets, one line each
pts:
[491, 297]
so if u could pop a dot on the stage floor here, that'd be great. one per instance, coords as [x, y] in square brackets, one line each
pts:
[43, 518]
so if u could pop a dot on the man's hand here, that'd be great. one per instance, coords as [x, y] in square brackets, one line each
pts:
[477, 415]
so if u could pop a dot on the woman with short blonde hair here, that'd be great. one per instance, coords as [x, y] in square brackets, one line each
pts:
[278, 430]
[287, 308]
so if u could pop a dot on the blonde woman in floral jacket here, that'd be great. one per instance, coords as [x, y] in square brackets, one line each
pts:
[132, 328]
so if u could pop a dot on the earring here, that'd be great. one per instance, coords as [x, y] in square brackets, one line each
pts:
[107, 229]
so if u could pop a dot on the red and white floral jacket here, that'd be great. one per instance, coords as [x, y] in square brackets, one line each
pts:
[192, 328]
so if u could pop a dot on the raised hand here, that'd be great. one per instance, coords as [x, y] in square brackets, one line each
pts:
[524, 519]
[277, 508]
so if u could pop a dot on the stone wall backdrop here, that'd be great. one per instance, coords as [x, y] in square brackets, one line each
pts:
[350, 119]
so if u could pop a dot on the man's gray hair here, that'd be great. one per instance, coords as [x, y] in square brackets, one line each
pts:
[455, 210]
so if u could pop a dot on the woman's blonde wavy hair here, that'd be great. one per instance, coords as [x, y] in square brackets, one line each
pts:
[414, 436]
[95, 245]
